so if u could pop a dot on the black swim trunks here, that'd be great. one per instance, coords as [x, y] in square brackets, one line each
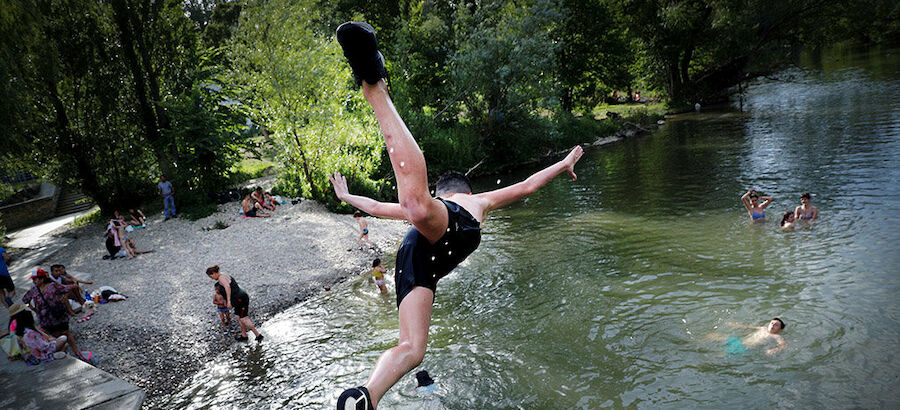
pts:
[420, 263]
[241, 304]
[7, 283]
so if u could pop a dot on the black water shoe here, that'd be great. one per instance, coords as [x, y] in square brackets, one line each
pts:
[356, 398]
[361, 49]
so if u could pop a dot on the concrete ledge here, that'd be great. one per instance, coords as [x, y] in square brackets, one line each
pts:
[65, 384]
[32, 211]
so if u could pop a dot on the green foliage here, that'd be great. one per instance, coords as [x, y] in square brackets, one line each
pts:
[297, 86]
[208, 135]
[94, 217]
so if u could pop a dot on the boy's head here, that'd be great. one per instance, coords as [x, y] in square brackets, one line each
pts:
[776, 325]
[57, 270]
[358, 214]
[376, 262]
[452, 182]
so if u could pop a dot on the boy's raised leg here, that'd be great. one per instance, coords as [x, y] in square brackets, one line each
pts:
[428, 215]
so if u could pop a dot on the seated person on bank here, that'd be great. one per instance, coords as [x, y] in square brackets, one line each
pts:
[137, 217]
[261, 199]
[59, 275]
[37, 345]
[252, 208]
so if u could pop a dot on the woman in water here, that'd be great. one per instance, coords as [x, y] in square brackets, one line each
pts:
[756, 210]
[236, 298]
[787, 221]
[806, 212]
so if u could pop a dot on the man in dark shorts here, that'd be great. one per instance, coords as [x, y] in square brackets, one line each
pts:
[6, 283]
[446, 229]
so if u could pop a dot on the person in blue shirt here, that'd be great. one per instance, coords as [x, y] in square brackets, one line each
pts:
[6, 283]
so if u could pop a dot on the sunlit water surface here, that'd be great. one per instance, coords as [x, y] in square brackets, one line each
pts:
[614, 290]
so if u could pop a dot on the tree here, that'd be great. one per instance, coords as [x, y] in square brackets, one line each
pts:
[297, 85]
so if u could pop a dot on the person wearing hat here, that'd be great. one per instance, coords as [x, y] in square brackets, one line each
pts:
[35, 342]
[45, 300]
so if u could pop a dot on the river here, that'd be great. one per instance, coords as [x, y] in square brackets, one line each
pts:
[615, 290]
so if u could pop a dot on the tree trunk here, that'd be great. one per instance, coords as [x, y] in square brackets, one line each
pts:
[72, 148]
[145, 109]
[304, 163]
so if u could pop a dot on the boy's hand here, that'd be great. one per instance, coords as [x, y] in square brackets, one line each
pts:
[572, 159]
[340, 185]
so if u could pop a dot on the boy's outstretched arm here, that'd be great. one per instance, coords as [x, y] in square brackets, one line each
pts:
[505, 196]
[367, 205]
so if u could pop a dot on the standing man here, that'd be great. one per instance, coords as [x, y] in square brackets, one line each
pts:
[446, 228]
[167, 192]
[6, 283]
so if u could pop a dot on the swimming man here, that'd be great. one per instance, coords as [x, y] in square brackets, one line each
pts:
[762, 334]
[446, 228]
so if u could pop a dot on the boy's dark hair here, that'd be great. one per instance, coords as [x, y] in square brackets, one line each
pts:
[780, 321]
[358, 214]
[376, 262]
[57, 266]
[452, 182]
[24, 320]
[212, 269]
[805, 195]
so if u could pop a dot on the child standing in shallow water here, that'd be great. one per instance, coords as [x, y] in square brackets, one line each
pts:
[222, 308]
[378, 271]
[363, 229]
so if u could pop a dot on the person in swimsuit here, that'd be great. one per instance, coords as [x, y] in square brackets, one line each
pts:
[259, 199]
[235, 298]
[363, 229]
[806, 212]
[222, 307]
[787, 221]
[756, 210]
[137, 217]
[378, 272]
[762, 334]
[446, 228]
[252, 209]
[59, 275]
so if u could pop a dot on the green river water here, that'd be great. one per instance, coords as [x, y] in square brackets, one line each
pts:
[614, 290]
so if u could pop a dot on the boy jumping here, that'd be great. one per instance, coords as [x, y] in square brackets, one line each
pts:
[446, 228]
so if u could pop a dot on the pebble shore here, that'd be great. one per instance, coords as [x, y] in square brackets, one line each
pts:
[168, 327]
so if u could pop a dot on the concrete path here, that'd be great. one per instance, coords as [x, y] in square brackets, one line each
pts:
[64, 384]
[61, 384]
[33, 237]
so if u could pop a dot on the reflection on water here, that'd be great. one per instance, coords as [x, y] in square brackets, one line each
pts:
[603, 292]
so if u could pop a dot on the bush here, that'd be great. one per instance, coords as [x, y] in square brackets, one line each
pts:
[93, 217]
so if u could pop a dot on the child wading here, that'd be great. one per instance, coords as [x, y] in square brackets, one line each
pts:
[446, 229]
[378, 272]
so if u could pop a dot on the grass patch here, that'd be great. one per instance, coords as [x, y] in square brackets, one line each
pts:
[249, 168]
[93, 217]
[657, 109]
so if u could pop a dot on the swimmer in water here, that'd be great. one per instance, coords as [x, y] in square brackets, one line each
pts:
[756, 210]
[787, 221]
[446, 228]
[762, 335]
[806, 212]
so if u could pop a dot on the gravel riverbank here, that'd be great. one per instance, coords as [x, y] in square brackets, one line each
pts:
[168, 328]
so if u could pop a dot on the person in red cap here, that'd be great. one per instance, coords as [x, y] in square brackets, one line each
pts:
[44, 299]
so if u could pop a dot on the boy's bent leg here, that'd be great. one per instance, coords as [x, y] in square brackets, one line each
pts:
[427, 214]
[415, 319]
